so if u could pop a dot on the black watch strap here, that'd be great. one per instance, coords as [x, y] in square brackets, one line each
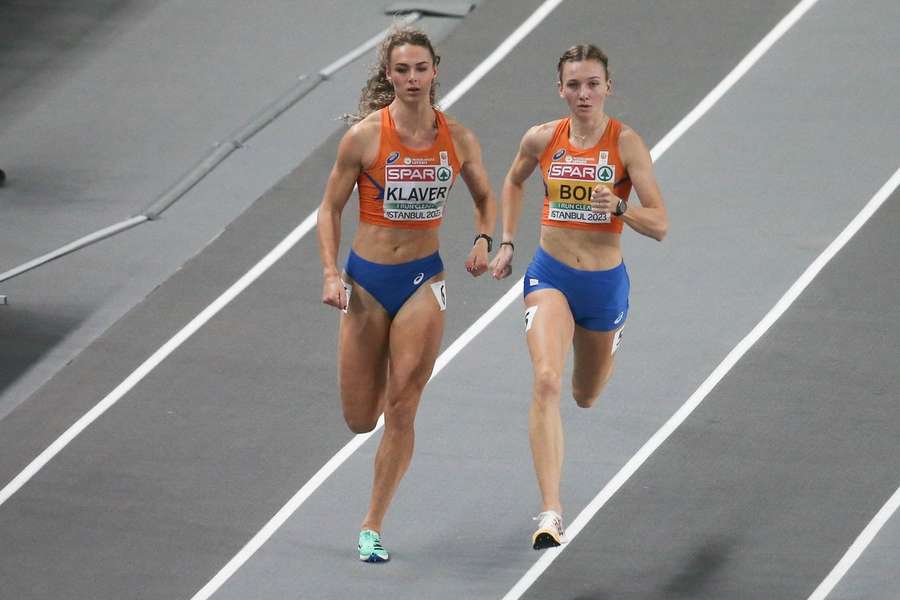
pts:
[490, 240]
[621, 207]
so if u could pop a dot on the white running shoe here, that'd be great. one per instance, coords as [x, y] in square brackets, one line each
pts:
[550, 532]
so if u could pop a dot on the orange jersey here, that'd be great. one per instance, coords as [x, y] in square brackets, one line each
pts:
[570, 175]
[408, 188]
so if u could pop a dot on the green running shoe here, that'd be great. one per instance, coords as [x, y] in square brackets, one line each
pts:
[370, 548]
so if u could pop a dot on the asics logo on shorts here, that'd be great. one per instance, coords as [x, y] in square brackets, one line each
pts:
[418, 278]
[619, 318]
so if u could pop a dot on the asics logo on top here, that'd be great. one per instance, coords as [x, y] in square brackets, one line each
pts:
[559, 154]
[421, 276]
[392, 157]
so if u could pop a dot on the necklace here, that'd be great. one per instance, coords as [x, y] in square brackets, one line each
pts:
[581, 139]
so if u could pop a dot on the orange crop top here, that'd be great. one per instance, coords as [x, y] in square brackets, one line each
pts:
[570, 175]
[408, 188]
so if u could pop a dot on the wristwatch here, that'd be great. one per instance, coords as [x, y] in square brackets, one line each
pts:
[621, 207]
[490, 240]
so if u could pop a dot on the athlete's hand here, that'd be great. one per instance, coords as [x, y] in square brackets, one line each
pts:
[477, 263]
[603, 200]
[333, 292]
[501, 266]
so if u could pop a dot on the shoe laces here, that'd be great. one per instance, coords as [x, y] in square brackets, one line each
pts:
[374, 538]
[549, 518]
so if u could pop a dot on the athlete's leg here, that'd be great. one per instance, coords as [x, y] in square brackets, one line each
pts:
[594, 359]
[550, 329]
[363, 359]
[415, 338]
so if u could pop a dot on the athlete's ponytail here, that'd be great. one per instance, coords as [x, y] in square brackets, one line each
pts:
[378, 91]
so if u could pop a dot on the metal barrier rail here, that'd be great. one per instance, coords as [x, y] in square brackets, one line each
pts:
[411, 11]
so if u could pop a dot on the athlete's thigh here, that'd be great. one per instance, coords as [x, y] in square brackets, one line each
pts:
[548, 328]
[363, 351]
[415, 336]
[594, 356]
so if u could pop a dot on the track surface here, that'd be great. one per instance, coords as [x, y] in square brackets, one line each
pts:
[757, 494]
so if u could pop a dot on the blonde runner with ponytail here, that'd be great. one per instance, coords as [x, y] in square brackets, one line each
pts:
[403, 155]
[378, 91]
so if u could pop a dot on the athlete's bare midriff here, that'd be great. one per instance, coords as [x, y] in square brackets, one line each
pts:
[586, 250]
[390, 245]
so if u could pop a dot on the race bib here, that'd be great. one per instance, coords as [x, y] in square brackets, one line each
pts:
[416, 192]
[569, 187]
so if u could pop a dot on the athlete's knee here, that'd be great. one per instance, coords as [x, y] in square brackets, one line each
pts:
[547, 385]
[586, 395]
[361, 410]
[400, 415]
[361, 423]
[408, 381]
[586, 398]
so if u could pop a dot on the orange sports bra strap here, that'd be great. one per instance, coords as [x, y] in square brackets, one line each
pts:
[615, 128]
[442, 125]
[387, 123]
[560, 136]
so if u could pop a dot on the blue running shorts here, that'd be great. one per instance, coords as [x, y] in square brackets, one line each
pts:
[598, 299]
[392, 285]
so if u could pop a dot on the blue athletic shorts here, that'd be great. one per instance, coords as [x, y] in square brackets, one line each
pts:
[598, 299]
[392, 285]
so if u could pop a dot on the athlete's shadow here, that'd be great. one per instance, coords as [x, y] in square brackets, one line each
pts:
[701, 568]
[692, 580]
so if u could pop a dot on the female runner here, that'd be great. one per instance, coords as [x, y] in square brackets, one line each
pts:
[404, 155]
[576, 287]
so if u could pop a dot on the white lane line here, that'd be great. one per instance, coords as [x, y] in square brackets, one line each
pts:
[332, 465]
[697, 397]
[157, 357]
[261, 267]
[179, 338]
[857, 548]
[500, 52]
[285, 512]
[739, 70]
[706, 387]
[269, 529]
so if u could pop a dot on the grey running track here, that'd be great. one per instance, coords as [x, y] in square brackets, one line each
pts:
[758, 493]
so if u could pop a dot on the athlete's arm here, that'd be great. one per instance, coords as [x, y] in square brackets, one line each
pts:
[533, 143]
[650, 218]
[468, 150]
[346, 170]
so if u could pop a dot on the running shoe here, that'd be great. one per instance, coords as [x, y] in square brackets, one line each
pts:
[550, 532]
[370, 548]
